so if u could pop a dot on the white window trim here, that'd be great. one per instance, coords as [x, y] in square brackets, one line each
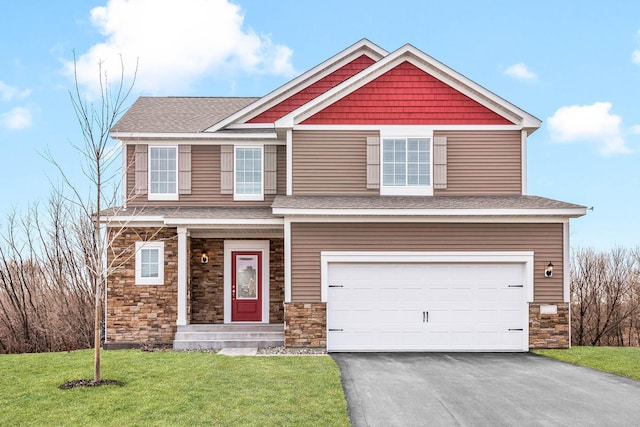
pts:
[149, 280]
[161, 196]
[250, 197]
[407, 190]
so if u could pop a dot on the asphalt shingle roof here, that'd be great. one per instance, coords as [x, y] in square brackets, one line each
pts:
[178, 114]
[427, 202]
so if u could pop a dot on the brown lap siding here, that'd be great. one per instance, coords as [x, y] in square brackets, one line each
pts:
[309, 239]
[205, 181]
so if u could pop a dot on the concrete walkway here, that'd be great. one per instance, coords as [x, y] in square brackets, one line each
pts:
[251, 351]
[482, 389]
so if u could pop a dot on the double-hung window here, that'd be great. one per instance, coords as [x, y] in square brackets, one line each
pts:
[406, 166]
[163, 173]
[248, 176]
[149, 263]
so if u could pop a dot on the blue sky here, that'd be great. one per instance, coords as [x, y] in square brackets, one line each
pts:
[575, 65]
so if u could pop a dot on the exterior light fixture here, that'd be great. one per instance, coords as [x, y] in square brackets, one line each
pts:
[204, 258]
[548, 271]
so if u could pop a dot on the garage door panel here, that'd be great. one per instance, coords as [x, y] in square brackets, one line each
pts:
[425, 306]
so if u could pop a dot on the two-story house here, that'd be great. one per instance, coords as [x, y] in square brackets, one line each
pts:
[377, 202]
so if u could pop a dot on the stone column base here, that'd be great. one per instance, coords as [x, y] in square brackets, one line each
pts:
[549, 326]
[305, 325]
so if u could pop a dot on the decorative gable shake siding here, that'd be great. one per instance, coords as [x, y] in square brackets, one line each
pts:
[309, 239]
[406, 95]
[478, 163]
[483, 163]
[330, 162]
[205, 181]
[312, 91]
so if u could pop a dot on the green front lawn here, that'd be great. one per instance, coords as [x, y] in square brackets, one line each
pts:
[171, 388]
[624, 361]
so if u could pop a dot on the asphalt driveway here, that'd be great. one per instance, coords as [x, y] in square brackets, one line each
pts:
[482, 389]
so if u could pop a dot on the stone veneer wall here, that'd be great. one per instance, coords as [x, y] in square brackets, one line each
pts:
[276, 281]
[207, 281]
[549, 330]
[141, 314]
[305, 325]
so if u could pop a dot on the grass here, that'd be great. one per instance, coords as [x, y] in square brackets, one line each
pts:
[171, 389]
[624, 361]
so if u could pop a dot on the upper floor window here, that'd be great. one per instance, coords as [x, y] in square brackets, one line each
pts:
[248, 179]
[406, 166]
[163, 173]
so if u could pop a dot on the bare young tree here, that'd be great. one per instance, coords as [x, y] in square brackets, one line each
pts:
[95, 120]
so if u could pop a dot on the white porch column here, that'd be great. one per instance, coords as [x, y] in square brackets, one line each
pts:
[182, 276]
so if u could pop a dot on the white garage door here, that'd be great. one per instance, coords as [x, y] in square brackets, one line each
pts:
[426, 306]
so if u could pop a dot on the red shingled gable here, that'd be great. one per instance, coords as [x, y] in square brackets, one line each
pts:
[406, 95]
[310, 92]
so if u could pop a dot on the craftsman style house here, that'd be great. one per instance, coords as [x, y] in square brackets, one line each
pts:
[377, 202]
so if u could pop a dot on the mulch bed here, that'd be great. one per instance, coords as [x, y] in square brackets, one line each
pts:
[88, 383]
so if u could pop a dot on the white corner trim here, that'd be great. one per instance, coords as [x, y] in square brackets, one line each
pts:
[524, 257]
[289, 172]
[566, 262]
[183, 268]
[287, 260]
[523, 161]
[246, 245]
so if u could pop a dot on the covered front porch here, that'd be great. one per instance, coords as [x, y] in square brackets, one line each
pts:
[230, 287]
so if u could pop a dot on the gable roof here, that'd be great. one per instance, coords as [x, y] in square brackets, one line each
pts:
[177, 114]
[429, 65]
[362, 47]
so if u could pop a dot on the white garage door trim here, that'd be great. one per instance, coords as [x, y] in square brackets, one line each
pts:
[524, 258]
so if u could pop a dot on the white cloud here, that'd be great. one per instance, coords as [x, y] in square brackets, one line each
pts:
[635, 57]
[589, 123]
[520, 72]
[176, 42]
[15, 119]
[8, 93]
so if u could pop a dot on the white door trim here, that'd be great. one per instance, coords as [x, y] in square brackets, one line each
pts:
[262, 246]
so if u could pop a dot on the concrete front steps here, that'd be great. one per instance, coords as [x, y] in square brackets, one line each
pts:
[234, 335]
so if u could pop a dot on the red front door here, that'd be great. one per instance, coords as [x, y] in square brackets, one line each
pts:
[246, 286]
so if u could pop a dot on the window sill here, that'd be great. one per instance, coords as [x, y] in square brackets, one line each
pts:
[172, 197]
[406, 191]
[248, 197]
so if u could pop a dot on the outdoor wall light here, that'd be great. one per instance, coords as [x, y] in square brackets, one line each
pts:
[204, 258]
[548, 271]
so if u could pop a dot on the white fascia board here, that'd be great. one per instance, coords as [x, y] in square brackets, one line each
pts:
[388, 128]
[564, 213]
[430, 219]
[172, 222]
[428, 64]
[125, 219]
[304, 80]
[188, 137]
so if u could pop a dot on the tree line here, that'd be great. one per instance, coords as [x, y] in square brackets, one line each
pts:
[46, 296]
